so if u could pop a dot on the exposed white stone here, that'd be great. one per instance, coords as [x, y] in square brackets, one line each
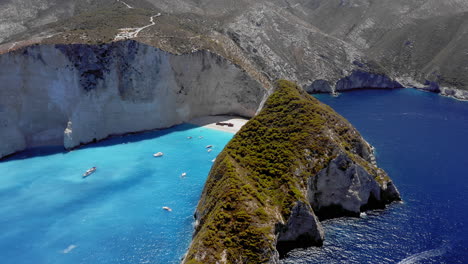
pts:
[48, 96]
[344, 184]
[455, 93]
[302, 229]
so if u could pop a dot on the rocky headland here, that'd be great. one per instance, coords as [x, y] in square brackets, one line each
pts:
[294, 163]
[74, 72]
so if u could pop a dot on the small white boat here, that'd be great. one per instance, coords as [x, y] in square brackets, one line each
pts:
[167, 208]
[184, 174]
[209, 150]
[159, 154]
[213, 160]
[209, 146]
[89, 172]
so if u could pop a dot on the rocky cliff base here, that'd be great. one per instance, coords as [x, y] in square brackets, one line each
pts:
[294, 163]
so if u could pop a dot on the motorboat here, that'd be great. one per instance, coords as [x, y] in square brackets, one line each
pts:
[209, 150]
[89, 172]
[209, 146]
[167, 208]
[159, 154]
[184, 174]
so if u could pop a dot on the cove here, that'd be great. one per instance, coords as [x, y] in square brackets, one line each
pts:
[49, 214]
[421, 141]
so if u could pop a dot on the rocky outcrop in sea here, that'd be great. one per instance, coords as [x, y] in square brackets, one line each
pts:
[294, 163]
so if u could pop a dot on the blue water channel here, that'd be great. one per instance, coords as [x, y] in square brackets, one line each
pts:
[50, 214]
[421, 140]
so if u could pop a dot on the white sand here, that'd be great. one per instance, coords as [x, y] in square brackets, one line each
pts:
[210, 122]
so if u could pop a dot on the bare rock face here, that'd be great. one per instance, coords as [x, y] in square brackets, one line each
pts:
[346, 188]
[360, 79]
[302, 230]
[411, 41]
[455, 93]
[12, 140]
[75, 94]
[320, 86]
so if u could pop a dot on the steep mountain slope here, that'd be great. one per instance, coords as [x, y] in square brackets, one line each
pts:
[315, 43]
[17, 16]
[422, 43]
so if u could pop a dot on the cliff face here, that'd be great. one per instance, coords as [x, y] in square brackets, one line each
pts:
[319, 44]
[295, 162]
[74, 94]
[356, 80]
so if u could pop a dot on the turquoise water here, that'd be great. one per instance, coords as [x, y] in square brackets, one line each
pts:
[421, 141]
[49, 214]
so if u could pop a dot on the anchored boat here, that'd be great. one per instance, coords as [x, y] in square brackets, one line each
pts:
[89, 172]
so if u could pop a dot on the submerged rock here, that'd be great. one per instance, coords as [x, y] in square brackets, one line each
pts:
[296, 158]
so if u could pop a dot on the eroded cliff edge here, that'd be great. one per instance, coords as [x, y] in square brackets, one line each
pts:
[294, 163]
[75, 94]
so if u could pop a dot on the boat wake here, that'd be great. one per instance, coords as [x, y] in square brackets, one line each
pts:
[69, 249]
[419, 257]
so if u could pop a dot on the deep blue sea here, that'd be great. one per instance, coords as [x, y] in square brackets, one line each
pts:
[421, 140]
[49, 214]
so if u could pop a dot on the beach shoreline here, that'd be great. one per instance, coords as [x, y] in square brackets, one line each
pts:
[210, 122]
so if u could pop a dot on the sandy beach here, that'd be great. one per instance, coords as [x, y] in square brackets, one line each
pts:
[210, 122]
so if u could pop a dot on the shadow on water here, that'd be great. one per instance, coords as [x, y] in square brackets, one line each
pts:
[109, 141]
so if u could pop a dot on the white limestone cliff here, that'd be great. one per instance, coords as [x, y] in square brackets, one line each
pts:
[346, 188]
[75, 94]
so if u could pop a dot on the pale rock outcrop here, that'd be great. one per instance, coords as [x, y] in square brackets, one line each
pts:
[346, 188]
[303, 229]
[319, 86]
[358, 79]
[455, 93]
[75, 94]
[361, 79]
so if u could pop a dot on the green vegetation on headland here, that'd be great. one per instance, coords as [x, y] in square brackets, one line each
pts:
[263, 172]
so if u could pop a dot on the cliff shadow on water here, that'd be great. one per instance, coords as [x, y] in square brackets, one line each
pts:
[77, 94]
[294, 163]
[109, 141]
